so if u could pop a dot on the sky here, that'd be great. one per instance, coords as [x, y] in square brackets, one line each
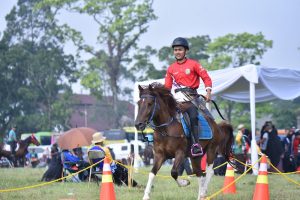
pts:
[278, 20]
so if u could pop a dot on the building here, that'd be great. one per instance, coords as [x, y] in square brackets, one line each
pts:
[88, 111]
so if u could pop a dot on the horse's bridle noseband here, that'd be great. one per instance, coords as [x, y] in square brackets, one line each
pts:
[155, 107]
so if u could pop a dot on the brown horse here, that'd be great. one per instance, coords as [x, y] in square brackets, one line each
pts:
[158, 108]
[19, 157]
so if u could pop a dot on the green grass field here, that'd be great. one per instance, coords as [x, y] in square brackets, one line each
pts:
[164, 188]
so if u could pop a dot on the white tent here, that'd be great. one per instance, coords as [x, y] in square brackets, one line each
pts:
[248, 84]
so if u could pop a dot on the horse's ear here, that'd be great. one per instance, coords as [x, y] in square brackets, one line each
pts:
[140, 88]
[150, 87]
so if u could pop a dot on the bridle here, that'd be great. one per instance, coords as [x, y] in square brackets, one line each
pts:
[33, 140]
[150, 121]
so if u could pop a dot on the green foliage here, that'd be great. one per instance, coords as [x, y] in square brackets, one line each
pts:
[121, 23]
[164, 187]
[143, 68]
[34, 70]
[237, 50]
[284, 113]
[198, 48]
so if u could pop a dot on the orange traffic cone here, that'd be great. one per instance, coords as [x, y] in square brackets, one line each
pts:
[107, 191]
[229, 178]
[262, 186]
[203, 163]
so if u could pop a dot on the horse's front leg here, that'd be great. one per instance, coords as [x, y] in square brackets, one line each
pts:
[201, 176]
[204, 179]
[158, 161]
[179, 158]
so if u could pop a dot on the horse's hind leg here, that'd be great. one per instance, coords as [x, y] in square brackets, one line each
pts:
[179, 158]
[158, 161]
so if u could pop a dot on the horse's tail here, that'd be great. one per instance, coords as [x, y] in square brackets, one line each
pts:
[227, 142]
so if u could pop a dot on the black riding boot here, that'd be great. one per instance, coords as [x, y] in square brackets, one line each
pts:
[196, 149]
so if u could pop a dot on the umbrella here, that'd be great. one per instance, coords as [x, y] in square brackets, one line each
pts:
[76, 137]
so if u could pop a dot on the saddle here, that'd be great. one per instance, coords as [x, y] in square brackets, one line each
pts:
[7, 147]
[205, 132]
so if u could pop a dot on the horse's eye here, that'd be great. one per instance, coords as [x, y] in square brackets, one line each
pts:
[150, 103]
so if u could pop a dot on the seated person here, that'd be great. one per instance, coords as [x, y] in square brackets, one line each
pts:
[73, 163]
[33, 158]
[55, 167]
[119, 173]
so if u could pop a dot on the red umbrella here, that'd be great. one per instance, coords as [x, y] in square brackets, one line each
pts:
[76, 137]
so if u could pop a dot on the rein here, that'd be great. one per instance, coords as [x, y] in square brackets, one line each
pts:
[216, 106]
[185, 92]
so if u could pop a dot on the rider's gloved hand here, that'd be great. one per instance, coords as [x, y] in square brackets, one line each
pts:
[208, 95]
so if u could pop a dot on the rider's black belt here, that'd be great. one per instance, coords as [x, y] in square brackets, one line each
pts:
[186, 90]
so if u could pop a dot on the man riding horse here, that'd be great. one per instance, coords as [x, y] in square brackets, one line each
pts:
[12, 140]
[184, 75]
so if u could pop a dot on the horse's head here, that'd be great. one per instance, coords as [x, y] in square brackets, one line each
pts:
[146, 107]
[33, 140]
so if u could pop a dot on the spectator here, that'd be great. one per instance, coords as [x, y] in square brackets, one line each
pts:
[242, 147]
[288, 161]
[265, 137]
[119, 173]
[78, 152]
[296, 147]
[274, 148]
[185, 166]
[34, 158]
[43, 161]
[219, 171]
[74, 163]
[55, 167]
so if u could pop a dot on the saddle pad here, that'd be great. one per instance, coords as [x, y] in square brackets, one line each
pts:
[204, 128]
[7, 147]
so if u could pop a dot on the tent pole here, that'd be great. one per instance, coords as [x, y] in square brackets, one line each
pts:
[136, 147]
[254, 156]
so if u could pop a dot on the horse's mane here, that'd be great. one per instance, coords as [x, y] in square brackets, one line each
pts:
[158, 90]
[25, 141]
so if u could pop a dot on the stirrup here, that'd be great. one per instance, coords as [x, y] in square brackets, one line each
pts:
[196, 154]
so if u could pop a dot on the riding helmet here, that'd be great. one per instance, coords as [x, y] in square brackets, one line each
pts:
[180, 42]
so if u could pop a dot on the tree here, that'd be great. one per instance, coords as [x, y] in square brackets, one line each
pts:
[235, 51]
[198, 50]
[35, 71]
[121, 23]
[144, 68]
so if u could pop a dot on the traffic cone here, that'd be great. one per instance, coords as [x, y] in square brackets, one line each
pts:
[203, 163]
[107, 191]
[229, 178]
[262, 186]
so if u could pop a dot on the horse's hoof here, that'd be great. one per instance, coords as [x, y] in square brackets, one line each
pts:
[183, 182]
[146, 197]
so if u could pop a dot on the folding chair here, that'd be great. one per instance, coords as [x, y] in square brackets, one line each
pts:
[70, 168]
[96, 154]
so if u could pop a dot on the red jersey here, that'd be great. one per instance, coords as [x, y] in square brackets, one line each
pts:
[187, 74]
[296, 145]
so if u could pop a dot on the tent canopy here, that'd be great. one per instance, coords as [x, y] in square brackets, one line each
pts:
[233, 83]
[247, 84]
